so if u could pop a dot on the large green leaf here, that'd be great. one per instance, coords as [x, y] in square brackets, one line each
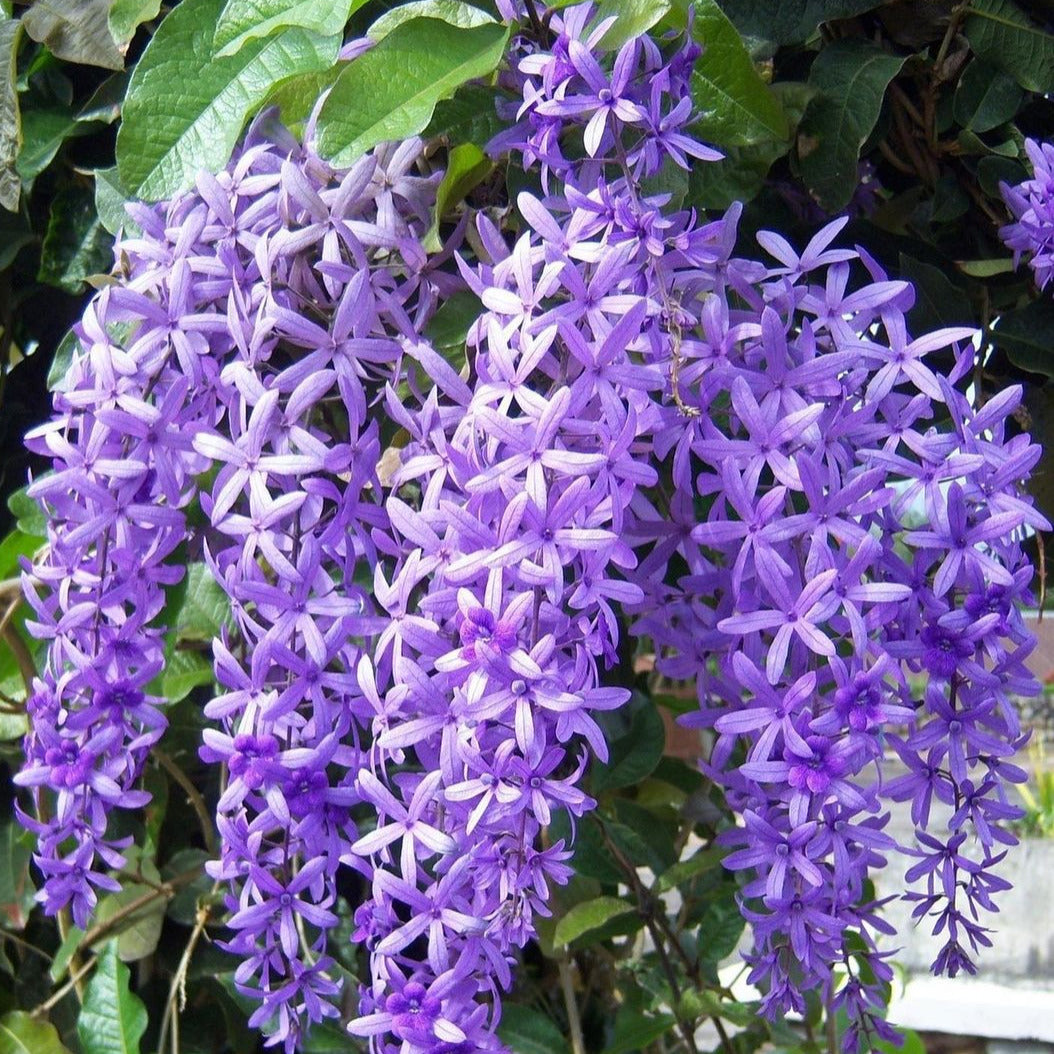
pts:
[21, 1033]
[455, 12]
[587, 917]
[738, 106]
[391, 91]
[185, 105]
[76, 245]
[10, 122]
[112, 1019]
[245, 20]
[527, 1031]
[851, 76]
[636, 1030]
[75, 30]
[1000, 32]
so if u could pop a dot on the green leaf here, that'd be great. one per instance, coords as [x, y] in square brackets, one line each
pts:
[633, 19]
[126, 16]
[391, 91]
[738, 106]
[15, 232]
[44, 130]
[466, 167]
[938, 301]
[453, 12]
[104, 104]
[185, 105]
[245, 20]
[141, 930]
[184, 671]
[634, 753]
[584, 918]
[469, 117]
[738, 176]
[1000, 32]
[75, 30]
[29, 517]
[112, 1019]
[1027, 336]
[986, 268]
[791, 21]
[12, 548]
[526, 1031]
[851, 76]
[298, 95]
[10, 121]
[986, 97]
[110, 199]
[635, 1030]
[205, 608]
[61, 361]
[76, 244]
[21, 1033]
[449, 326]
[16, 885]
[67, 949]
[704, 860]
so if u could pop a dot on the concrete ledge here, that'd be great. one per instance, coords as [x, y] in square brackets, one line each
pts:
[975, 1008]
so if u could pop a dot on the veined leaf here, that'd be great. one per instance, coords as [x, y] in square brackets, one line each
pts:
[245, 20]
[75, 30]
[113, 1018]
[851, 76]
[391, 91]
[186, 105]
[1000, 32]
[738, 106]
[455, 12]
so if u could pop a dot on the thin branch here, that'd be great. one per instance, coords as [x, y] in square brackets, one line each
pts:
[177, 989]
[167, 890]
[197, 803]
[574, 1022]
[59, 994]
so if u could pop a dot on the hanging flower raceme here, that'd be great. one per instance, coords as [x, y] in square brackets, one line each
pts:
[1032, 204]
[802, 420]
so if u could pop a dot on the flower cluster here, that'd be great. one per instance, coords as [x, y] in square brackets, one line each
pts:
[807, 432]
[429, 565]
[1032, 204]
[507, 532]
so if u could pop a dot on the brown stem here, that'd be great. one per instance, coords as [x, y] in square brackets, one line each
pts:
[197, 802]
